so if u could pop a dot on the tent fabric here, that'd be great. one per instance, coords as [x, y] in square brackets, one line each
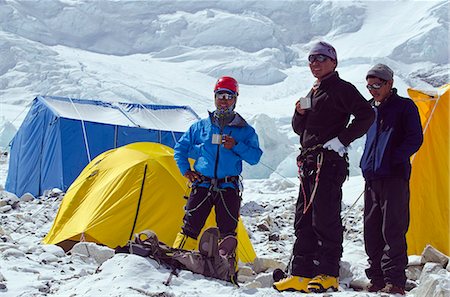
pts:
[60, 136]
[429, 204]
[125, 191]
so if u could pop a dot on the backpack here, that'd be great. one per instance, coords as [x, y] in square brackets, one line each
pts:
[213, 259]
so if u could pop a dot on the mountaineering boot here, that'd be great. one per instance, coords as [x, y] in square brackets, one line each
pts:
[208, 246]
[185, 242]
[227, 246]
[227, 250]
[322, 283]
[292, 283]
[375, 287]
[209, 242]
[393, 289]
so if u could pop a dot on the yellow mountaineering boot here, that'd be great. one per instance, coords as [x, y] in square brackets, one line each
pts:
[185, 242]
[292, 283]
[322, 283]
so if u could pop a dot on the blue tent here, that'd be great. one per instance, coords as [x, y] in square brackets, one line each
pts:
[60, 136]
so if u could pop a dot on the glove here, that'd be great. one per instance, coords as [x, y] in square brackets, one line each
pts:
[335, 145]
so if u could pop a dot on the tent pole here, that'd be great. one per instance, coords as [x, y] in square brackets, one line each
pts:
[139, 203]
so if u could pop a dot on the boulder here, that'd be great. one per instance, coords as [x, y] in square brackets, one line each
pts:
[430, 254]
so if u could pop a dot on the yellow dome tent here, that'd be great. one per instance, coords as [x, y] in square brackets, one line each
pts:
[429, 205]
[127, 190]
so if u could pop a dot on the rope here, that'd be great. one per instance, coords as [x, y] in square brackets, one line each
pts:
[316, 184]
[84, 131]
[160, 121]
[226, 208]
[26, 106]
[428, 121]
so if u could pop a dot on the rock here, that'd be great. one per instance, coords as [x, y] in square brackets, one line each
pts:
[5, 208]
[265, 280]
[2, 278]
[245, 279]
[430, 254]
[345, 273]
[359, 284]
[410, 285]
[27, 197]
[246, 271]
[274, 237]
[53, 249]
[429, 268]
[47, 258]
[93, 251]
[414, 272]
[262, 227]
[253, 285]
[434, 285]
[263, 264]
[415, 260]
[13, 252]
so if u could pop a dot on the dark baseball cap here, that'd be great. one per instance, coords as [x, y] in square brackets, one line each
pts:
[381, 71]
[323, 48]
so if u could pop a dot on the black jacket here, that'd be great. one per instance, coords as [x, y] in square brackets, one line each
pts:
[393, 138]
[332, 104]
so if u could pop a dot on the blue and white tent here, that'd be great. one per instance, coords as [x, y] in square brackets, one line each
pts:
[60, 136]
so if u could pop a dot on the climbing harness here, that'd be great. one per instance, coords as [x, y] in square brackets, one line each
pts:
[302, 174]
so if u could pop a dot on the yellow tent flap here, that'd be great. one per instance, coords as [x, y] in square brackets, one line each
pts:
[125, 191]
[429, 205]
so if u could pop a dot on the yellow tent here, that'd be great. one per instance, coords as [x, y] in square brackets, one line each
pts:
[429, 203]
[127, 190]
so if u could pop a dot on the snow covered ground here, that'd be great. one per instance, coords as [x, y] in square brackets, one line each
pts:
[172, 52]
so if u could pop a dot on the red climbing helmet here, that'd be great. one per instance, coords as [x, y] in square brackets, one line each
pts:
[227, 83]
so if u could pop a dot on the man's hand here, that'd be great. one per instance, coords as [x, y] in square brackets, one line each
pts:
[192, 176]
[298, 108]
[335, 145]
[228, 141]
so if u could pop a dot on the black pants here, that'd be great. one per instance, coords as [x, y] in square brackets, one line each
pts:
[226, 202]
[319, 232]
[386, 220]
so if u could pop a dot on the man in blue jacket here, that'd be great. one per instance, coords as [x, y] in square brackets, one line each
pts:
[392, 139]
[218, 144]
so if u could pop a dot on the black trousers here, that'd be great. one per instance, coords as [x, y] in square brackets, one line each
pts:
[319, 232]
[386, 220]
[226, 202]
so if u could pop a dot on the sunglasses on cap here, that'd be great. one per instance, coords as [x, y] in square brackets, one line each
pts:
[225, 96]
[376, 86]
[318, 58]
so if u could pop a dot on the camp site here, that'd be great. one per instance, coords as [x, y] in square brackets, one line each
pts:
[94, 96]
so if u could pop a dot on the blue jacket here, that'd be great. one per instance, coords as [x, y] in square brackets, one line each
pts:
[393, 138]
[214, 160]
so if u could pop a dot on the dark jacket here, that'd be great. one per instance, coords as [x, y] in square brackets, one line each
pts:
[332, 104]
[393, 138]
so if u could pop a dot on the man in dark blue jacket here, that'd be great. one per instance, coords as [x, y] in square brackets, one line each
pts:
[323, 120]
[392, 139]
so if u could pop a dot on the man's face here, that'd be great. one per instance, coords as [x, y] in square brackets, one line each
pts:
[378, 88]
[224, 100]
[321, 65]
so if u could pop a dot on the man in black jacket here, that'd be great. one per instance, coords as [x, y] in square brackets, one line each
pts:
[322, 121]
[393, 138]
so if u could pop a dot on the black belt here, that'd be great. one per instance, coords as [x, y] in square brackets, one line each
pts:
[218, 181]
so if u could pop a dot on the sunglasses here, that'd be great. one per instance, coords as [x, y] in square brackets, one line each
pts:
[319, 58]
[225, 96]
[376, 86]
